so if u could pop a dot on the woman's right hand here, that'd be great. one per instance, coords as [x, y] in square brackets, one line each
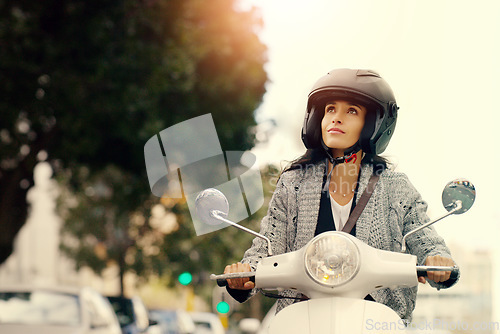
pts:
[239, 283]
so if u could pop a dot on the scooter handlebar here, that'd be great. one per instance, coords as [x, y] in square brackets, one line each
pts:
[222, 282]
[422, 270]
[222, 279]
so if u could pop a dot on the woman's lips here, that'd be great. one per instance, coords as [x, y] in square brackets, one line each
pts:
[335, 130]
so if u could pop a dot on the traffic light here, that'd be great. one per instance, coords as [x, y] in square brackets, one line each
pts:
[185, 278]
[222, 307]
[222, 303]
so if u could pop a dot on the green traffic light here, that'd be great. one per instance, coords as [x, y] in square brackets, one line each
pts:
[185, 278]
[222, 307]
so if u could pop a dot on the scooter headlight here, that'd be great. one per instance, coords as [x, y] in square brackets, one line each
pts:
[332, 259]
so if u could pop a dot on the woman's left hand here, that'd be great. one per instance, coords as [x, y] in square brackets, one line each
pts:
[437, 276]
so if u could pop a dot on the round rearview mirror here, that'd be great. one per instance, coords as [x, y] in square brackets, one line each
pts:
[459, 190]
[209, 200]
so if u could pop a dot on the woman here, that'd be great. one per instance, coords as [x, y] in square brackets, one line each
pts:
[350, 118]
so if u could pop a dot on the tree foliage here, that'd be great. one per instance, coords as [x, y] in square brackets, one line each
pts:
[87, 83]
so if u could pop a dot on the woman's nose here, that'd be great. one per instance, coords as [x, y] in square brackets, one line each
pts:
[337, 119]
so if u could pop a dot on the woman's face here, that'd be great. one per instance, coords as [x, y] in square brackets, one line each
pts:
[342, 124]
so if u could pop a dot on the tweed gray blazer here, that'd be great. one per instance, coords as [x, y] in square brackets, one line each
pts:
[394, 209]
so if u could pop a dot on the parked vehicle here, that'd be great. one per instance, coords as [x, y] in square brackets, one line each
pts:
[133, 315]
[336, 271]
[207, 323]
[27, 309]
[173, 321]
[254, 326]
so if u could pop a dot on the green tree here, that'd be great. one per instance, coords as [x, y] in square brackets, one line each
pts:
[87, 83]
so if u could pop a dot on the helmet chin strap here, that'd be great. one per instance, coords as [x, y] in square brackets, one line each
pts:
[349, 155]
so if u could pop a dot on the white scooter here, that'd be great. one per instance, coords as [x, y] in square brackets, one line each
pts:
[336, 271]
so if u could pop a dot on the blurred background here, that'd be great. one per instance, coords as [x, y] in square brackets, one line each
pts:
[86, 83]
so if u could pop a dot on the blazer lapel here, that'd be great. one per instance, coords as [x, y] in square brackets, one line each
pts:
[365, 220]
[308, 201]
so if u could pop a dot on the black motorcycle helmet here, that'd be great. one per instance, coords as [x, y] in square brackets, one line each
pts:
[361, 86]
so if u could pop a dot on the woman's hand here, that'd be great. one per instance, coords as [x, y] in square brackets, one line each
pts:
[239, 283]
[437, 276]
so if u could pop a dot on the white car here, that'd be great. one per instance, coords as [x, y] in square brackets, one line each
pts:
[173, 321]
[207, 323]
[31, 309]
[133, 315]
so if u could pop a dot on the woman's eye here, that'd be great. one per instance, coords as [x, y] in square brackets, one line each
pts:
[352, 111]
[330, 109]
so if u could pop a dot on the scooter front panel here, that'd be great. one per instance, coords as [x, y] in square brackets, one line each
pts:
[336, 315]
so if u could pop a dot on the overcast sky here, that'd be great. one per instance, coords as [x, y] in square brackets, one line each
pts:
[440, 58]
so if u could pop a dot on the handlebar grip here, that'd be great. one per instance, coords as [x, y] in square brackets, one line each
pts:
[454, 272]
[223, 282]
[421, 273]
